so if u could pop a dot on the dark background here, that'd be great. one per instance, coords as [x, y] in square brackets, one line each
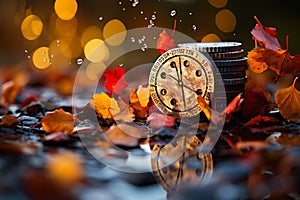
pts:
[284, 15]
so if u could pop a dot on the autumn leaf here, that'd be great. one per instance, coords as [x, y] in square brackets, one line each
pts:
[126, 112]
[139, 111]
[104, 105]
[58, 121]
[65, 168]
[165, 41]
[9, 121]
[288, 102]
[160, 120]
[257, 101]
[265, 36]
[115, 81]
[143, 94]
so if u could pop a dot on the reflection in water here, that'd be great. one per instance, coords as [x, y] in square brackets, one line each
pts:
[191, 168]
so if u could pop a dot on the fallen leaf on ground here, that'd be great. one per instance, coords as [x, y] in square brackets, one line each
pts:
[9, 121]
[126, 112]
[160, 120]
[288, 102]
[115, 81]
[261, 120]
[139, 111]
[104, 105]
[58, 121]
[143, 94]
[65, 168]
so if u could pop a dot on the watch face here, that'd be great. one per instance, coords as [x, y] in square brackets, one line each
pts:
[177, 77]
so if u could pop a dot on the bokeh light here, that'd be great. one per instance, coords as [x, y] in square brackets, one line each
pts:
[211, 37]
[114, 32]
[91, 32]
[31, 27]
[66, 28]
[65, 9]
[96, 51]
[225, 20]
[94, 70]
[218, 3]
[40, 58]
[60, 53]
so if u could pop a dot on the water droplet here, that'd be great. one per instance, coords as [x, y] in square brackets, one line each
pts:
[145, 45]
[135, 3]
[120, 2]
[140, 41]
[28, 57]
[173, 13]
[52, 56]
[143, 38]
[132, 39]
[190, 14]
[180, 20]
[121, 64]
[143, 49]
[194, 27]
[26, 51]
[153, 17]
[154, 38]
[123, 9]
[154, 12]
[44, 60]
[79, 61]
[100, 18]
[146, 18]
[44, 52]
[142, 12]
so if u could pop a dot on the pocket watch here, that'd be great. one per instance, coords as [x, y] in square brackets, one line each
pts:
[177, 77]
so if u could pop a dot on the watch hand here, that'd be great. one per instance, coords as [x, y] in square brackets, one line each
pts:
[181, 83]
[173, 77]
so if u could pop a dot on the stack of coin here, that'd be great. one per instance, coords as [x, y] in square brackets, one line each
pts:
[231, 62]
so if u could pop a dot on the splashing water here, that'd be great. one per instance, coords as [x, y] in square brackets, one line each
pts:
[100, 18]
[79, 61]
[132, 39]
[135, 3]
[194, 27]
[173, 13]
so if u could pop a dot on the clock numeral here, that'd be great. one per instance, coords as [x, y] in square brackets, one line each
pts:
[198, 73]
[173, 64]
[199, 92]
[163, 75]
[163, 91]
[186, 63]
[173, 102]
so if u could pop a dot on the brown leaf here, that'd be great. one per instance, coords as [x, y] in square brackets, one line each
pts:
[9, 121]
[58, 121]
[126, 112]
[288, 102]
[289, 140]
[139, 111]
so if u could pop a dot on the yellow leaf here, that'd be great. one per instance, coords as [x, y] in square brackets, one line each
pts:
[65, 168]
[58, 121]
[104, 105]
[288, 102]
[143, 95]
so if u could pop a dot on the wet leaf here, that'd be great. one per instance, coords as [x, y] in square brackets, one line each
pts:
[126, 112]
[261, 120]
[289, 140]
[9, 121]
[104, 105]
[288, 102]
[160, 120]
[143, 94]
[126, 134]
[139, 111]
[58, 121]
[65, 168]
[115, 81]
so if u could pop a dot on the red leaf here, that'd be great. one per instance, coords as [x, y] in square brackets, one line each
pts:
[115, 81]
[165, 42]
[161, 120]
[266, 36]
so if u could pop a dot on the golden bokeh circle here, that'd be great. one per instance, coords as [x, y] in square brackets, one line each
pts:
[31, 27]
[211, 37]
[96, 51]
[225, 20]
[40, 58]
[218, 3]
[114, 32]
[65, 9]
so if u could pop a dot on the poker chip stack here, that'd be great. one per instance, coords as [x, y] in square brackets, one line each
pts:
[231, 62]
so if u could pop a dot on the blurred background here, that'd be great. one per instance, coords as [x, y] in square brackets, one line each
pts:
[52, 38]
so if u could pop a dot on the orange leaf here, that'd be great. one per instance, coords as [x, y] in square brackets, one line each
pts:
[165, 42]
[58, 121]
[143, 95]
[104, 105]
[9, 120]
[288, 102]
[139, 111]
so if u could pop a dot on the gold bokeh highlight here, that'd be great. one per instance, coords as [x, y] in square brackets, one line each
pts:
[65, 9]
[60, 53]
[96, 51]
[31, 27]
[94, 70]
[66, 28]
[91, 32]
[114, 32]
[225, 20]
[211, 37]
[40, 58]
[218, 3]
